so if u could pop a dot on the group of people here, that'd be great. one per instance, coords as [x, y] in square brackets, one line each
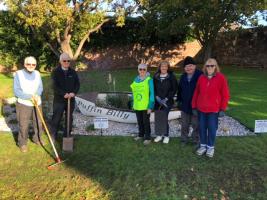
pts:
[202, 97]
[28, 88]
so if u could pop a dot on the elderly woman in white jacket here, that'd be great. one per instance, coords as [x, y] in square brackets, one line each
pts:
[27, 87]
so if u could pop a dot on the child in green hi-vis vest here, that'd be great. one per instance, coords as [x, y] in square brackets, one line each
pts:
[143, 102]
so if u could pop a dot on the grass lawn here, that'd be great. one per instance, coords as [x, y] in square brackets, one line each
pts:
[248, 89]
[119, 168]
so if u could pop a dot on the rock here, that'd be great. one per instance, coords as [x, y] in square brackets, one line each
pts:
[8, 109]
[227, 127]
[9, 101]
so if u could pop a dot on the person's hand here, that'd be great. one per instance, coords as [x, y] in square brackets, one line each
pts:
[179, 105]
[164, 101]
[194, 112]
[158, 99]
[35, 98]
[149, 111]
[221, 113]
[66, 96]
[71, 95]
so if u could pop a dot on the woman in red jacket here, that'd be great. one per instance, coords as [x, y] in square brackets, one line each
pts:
[210, 100]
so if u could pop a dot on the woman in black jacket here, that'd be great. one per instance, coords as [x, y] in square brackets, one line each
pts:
[165, 86]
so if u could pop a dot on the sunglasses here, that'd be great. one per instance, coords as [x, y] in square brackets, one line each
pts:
[210, 65]
[30, 64]
[141, 69]
[66, 61]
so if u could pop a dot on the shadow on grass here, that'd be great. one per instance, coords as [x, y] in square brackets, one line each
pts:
[129, 170]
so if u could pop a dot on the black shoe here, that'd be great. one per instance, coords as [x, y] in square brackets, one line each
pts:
[23, 148]
[196, 146]
[41, 142]
[184, 142]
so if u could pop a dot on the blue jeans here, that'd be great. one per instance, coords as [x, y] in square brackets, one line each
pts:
[208, 125]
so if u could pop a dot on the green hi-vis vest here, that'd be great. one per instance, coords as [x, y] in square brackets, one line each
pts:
[140, 94]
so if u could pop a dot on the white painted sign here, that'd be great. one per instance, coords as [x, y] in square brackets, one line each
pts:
[101, 122]
[260, 126]
[90, 109]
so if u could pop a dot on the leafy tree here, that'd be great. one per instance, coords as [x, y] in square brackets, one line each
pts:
[63, 25]
[16, 42]
[202, 19]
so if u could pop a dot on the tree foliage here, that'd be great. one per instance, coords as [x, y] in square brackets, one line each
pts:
[202, 19]
[17, 42]
[63, 25]
[66, 25]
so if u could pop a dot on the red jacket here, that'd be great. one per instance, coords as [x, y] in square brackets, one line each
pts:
[211, 95]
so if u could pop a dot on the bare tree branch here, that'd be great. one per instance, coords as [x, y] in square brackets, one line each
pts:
[58, 36]
[55, 51]
[78, 50]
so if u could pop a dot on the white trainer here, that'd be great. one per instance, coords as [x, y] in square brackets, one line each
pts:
[201, 151]
[210, 152]
[166, 140]
[158, 139]
[138, 138]
[147, 142]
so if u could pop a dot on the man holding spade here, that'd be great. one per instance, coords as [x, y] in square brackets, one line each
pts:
[66, 85]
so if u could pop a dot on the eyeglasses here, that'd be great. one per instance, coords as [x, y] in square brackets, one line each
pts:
[142, 69]
[189, 65]
[66, 61]
[210, 65]
[30, 64]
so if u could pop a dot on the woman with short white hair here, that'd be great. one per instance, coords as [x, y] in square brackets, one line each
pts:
[28, 86]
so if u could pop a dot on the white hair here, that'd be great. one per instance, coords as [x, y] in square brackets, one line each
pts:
[29, 59]
[142, 66]
[64, 56]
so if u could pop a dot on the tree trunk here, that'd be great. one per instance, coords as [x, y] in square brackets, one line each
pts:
[207, 51]
[65, 47]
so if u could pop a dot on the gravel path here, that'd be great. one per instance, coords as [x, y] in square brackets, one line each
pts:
[227, 127]
[83, 125]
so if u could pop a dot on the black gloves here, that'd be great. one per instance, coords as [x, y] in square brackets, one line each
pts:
[221, 114]
[162, 102]
[194, 112]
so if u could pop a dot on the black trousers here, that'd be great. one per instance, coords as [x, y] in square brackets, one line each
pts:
[164, 120]
[58, 109]
[24, 116]
[186, 120]
[143, 120]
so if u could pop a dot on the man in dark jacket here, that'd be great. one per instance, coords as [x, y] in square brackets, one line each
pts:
[66, 85]
[186, 87]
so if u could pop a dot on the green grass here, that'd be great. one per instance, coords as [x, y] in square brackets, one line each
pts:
[248, 94]
[118, 168]
[6, 84]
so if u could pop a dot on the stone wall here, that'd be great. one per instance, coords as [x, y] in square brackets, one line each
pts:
[246, 47]
[240, 48]
[131, 55]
